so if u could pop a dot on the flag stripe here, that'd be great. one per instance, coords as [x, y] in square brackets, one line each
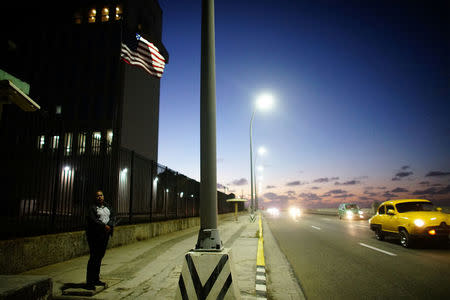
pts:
[137, 51]
[143, 67]
[135, 57]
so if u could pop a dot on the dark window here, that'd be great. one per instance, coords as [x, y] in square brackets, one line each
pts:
[381, 210]
[414, 206]
[351, 206]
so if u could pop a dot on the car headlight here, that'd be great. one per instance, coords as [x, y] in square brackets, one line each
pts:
[419, 222]
[349, 213]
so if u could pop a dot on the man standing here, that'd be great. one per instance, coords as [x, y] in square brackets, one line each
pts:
[100, 224]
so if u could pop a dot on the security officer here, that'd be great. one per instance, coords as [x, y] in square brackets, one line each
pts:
[100, 224]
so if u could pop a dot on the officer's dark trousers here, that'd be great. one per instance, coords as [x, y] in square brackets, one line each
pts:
[97, 248]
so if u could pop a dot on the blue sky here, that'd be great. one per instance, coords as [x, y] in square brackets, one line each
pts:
[361, 95]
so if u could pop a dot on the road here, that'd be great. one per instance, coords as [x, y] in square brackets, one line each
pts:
[337, 259]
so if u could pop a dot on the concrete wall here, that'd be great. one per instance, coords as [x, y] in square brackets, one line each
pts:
[20, 255]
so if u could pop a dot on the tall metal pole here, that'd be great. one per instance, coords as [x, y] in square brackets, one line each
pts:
[208, 237]
[252, 204]
[256, 184]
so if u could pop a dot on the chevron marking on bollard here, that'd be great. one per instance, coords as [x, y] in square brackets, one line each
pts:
[216, 286]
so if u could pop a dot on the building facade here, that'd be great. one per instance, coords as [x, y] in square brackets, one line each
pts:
[71, 59]
[99, 116]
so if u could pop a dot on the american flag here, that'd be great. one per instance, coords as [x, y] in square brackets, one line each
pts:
[138, 51]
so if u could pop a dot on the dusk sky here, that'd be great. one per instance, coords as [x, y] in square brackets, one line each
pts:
[361, 89]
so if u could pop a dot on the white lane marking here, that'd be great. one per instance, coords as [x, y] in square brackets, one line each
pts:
[376, 249]
[318, 228]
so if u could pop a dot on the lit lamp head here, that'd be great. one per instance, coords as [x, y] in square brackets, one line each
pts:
[264, 101]
[262, 150]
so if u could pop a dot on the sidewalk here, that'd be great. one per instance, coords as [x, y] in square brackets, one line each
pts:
[150, 269]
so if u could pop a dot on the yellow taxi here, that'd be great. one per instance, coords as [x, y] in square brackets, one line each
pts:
[410, 219]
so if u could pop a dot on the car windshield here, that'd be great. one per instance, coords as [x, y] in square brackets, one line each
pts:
[351, 206]
[414, 206]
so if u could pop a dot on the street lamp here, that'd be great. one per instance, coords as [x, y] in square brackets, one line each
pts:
[264, 102]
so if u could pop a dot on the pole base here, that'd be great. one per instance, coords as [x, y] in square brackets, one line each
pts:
[208, 275]
[209, 240]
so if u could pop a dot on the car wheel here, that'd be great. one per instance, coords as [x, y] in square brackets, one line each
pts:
[405, 239]
[379, 234]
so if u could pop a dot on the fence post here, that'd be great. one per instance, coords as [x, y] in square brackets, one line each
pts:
[152, 187]
[56, 182]
[130, 214]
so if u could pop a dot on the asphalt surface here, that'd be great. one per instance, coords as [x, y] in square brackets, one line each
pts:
[337, 259]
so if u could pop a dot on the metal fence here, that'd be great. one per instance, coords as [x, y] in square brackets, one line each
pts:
[50, 172]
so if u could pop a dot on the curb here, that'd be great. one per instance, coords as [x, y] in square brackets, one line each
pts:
[260, 282]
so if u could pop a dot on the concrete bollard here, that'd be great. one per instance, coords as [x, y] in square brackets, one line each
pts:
[207, 275]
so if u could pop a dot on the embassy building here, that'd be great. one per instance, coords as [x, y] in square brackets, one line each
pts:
[98, 123]
[71, 60]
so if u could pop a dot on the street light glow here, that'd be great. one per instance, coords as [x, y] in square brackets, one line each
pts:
[262, 151]
[265, 101]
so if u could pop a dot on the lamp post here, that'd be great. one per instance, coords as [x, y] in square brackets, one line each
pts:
[263, 102]
[208, 237]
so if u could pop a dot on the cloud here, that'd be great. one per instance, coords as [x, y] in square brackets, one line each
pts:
[315, 188]
[270, 187]
[371, 194]
[290, 193]
[321, 180]
[437, 174]
[241, 181]
[363, 198]
[399, 190]
[445, 190]
[325, 179]
[433, 191]
[220, 186]
[336, 192]
[405, 168]
[277, 199]
[344, 196]
[430, 191]
[401, 175]
[351, 182]
[294, 183]
[310, 197]
[424, 182]
[361, 177]
[389, 195]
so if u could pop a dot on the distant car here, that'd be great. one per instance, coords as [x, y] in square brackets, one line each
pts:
[350, 211]
[410, 219]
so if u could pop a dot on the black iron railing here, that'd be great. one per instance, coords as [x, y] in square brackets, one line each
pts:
[50, 172]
